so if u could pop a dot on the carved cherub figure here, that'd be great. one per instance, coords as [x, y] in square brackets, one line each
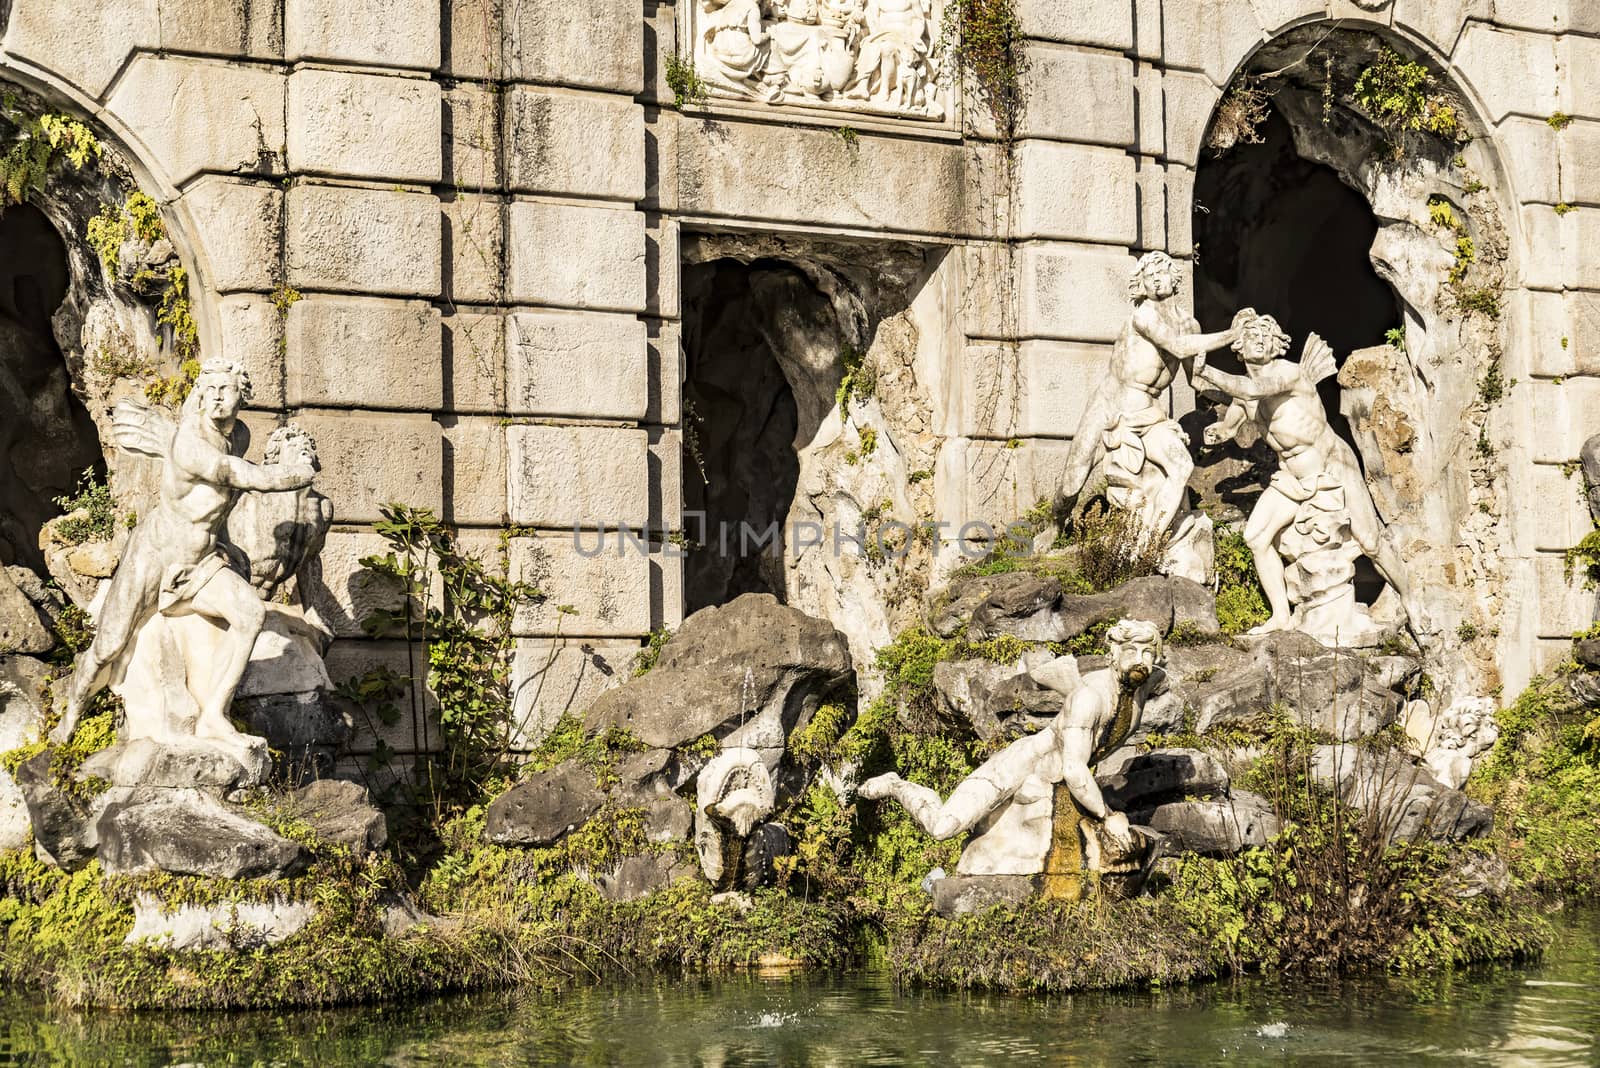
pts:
[1281, 397]
[283, 533]
[1147, 453]
[1100, 711]
[176, 563]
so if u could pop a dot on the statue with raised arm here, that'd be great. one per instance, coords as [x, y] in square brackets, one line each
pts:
[1316, 515]
[1012, 802]
[179, 620]
[1145, 451]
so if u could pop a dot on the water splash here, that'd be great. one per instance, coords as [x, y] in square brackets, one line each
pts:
[1273, 1030]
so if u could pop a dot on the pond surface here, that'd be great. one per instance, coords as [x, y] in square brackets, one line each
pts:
[1546, 1014]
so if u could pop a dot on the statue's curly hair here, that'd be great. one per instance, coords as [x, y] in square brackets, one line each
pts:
[235, 370]
[1277, 340]
[284, 435]
[1125, 631]
[1137, 289]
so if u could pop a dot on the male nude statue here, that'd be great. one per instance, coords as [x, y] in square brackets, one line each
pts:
[1281, 397]
[175, 563]
[1100, 711]
[1126, 419]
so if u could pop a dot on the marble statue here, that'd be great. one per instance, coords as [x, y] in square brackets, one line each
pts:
[1018, 801]
[1126, 426]
[282, 533]
[180, 619]
[733, 793]
[875, 56]
[1466, 731]
[1316, 516]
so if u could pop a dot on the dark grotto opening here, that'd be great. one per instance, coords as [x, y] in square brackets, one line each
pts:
[1283, 235]
[47, 439]
[741, 422]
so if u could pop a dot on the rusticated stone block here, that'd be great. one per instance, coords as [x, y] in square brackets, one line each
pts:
[589, 476]
[475, 471]
[1105, 23]
[364, 352]
[551, 679]
[235, 28]
[576, 365]
[1074, 293]
[577, 257]
[472, 138]
[1511, 71]
[349, 594]
[82, 41]
[475, 248]
[1074, 95]
[240, 226]
[573, 144]
[203, 115]
[1075, 193]
[601, 49]
[475, 356]
[378, 33]
[365, 126]
[606, 578]
[364, 240]
[374, 459]
[252, 336]
[1212, 36]
[417, 730]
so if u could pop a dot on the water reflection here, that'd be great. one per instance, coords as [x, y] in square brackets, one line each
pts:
[1545, 1015]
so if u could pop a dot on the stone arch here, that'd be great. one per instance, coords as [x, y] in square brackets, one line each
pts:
[1423, 415]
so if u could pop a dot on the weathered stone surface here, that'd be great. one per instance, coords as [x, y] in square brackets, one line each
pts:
[564, 144]
[1147, 780]
[346, 442]
[750, 659]
[186, 832]
[959, 895]
[1194, 609]
[966, 688]
[475, 459]
[21, 715]
[416, 731]
[966, 594]
[364, 240]
[182, 762]
[234, 28]
[364, 126]
[472, 143]
[570, 256]
[1025, 607]
[584, 475]
[475, 248]
[1510, 71]
[65, 833]
[1076, 95]
[766, 844]
[604, 49]
[1071, 192]
[236, 926]
[342, 814]
[203, 115]
[475, 361]
[1213, 36]
[1037, 393]
[1148, 599]
[1102, 23]
[541, 810]
[240, 227]
[1402, 797]
[23, 629]
[607, 578]
[1216, 828]
[589, 366]
[364, 352]
[304, 731]
[1339, 691]
[1071, 292]
[640, 876]
[83, 41]
[386, 33]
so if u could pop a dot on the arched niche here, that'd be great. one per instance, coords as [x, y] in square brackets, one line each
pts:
[1314, 212]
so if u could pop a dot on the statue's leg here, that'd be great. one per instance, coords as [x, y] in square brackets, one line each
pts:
[1374, 539]
[230, 600]
[977, 796]
[128, 603]
[1087, 444]
[1272, 513]
[1165, 447]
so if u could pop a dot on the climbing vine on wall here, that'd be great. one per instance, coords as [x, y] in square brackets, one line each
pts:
[984, 42]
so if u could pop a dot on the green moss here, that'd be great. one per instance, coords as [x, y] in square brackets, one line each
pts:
[857, 381]
[1402, 97]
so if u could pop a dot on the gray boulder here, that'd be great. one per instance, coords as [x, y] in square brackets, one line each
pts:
[1217, 827]
[1343, 692]
[1025, 606]
[994, 699]
[342, 814]
[966, 593]
[1149, 598]
[643, 875]
[186, 832]
[23, 628]
[63, 828]
[751, 661]
[1401, 796]
[1145, 780]
[959, 895]
[543, 809]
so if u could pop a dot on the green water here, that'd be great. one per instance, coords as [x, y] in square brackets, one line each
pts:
[1546, 1014]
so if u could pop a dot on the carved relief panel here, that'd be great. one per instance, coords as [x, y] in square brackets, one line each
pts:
[878, 57]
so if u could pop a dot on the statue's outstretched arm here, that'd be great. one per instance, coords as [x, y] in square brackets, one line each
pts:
[1076, 747]
[1181, 344]
[240, 474]
[1274, 381]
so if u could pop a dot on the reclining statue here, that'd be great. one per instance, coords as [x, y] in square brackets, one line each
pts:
[177, 567]
[1316, 515]
[1011, 800]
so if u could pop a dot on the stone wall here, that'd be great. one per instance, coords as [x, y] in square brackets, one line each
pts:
[480, 203]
